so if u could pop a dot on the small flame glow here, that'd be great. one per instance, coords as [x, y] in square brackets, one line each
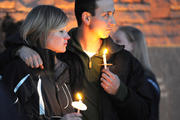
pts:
[105, 51]
[79, 96]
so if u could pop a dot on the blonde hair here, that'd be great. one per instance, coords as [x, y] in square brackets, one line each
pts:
[39, 22]
[140, 50]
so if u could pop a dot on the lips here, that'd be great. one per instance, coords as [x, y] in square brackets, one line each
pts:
[109, 29]
[65, 44]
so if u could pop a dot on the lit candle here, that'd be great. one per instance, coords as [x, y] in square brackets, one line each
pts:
[79, 105]
[104, 58]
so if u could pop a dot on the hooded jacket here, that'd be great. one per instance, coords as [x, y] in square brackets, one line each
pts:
[134, 95]
[40, 94]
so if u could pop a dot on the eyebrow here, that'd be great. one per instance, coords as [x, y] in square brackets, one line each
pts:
[110, 11]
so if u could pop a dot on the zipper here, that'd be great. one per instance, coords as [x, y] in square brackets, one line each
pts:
[57, 87]
[90, 63]
[66, 97]
[57, 95]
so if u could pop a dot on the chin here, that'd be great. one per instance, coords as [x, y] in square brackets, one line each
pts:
[104, 36]
[64, 50]
[61, 51]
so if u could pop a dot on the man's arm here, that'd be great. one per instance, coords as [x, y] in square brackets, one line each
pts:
[16, 46]
[30, 57]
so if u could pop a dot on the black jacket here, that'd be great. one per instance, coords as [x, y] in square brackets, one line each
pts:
[154, 111]
[32, 88]
[134, 97]
[12, 44]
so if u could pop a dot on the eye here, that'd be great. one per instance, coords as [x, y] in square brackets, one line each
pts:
[61, 31]
[106, 15]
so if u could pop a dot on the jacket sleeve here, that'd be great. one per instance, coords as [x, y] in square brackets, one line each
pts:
[14, 41]
[12, 44]
[19, 83]
[134, 96]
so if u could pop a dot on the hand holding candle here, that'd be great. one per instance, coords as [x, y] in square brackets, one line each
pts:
[79, 105]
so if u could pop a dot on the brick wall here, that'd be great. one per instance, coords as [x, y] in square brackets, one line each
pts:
[158, 19]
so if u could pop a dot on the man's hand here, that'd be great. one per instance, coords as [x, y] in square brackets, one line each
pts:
[72, 116]
[110, 81]
[30, 57]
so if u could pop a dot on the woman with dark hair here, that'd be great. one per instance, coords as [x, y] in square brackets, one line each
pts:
[42, 94]
[133, 40]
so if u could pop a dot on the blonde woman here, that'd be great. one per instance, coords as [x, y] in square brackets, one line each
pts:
[133, 40]
[42, 94]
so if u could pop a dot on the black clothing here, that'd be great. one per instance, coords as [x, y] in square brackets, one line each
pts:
[42, 94]
[134, 96]
[7, 111]
[154, 111]
[12, 44]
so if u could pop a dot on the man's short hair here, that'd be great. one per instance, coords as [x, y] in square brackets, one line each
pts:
[84, 6]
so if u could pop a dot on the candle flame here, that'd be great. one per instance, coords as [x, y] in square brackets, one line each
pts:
[79, 96]
[105, 51]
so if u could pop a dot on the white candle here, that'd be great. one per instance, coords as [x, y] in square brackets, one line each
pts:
[79, 105]
[104, 58]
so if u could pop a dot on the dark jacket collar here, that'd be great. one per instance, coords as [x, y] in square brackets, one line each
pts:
[47, 56]
[53, 69]
[108, 43]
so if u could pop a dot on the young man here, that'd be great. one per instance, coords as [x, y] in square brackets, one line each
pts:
[119, 92]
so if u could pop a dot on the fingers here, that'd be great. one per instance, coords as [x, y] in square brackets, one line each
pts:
[30, 57]
[109, 81]
[28, 61]
[72, 116]
[104, 85]
[40, 62]
[41, 66]
[105, 82]
[108, 72]
[36, 61]
[106, 77]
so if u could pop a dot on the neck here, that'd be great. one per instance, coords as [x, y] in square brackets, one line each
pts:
[88, 40]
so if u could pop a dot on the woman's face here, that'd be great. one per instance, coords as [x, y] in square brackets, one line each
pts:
[122, 39]
[57, 40]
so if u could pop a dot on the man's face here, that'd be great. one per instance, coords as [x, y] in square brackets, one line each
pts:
[103, 21]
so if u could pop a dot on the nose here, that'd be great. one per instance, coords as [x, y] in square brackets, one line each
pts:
[66, 37]
[112, 21]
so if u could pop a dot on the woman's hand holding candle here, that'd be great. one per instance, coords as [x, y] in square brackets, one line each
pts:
[79, 105]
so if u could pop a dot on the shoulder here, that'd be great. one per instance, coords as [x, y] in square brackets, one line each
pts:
[151, 78]
[17, 64]
[13, 40]
[123, 56]
[116, 50]
[15, 70]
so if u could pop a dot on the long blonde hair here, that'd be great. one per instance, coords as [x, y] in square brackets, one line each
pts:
[140, 50]
[39, 22]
